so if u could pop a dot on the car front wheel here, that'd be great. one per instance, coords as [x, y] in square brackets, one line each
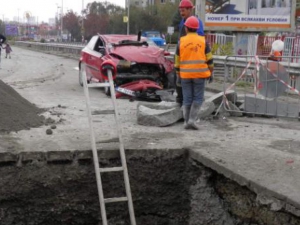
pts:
[81, 74]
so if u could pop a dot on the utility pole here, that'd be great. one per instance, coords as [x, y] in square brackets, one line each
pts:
[128, 7]
[57, 14]
[3, 23]
[18, 23]
[82, 22]
[61, 19]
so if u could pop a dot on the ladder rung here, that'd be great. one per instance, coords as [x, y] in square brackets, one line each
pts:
[103, 112]
[98, 85]
[121, 199]
[111, 169]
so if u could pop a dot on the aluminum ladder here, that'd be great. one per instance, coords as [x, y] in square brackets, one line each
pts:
[99, 170]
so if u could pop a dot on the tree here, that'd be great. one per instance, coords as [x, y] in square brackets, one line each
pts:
[95, 24]
[2, 27]
[103, 17]
[70, 23]
[176, 20]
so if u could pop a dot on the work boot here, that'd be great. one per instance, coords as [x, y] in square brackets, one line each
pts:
[194, 116]
[186, 115]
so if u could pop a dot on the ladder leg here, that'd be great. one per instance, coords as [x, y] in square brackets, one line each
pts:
[94, 150]
[122, 151]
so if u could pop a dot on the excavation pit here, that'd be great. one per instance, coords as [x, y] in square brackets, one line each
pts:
[169, 187]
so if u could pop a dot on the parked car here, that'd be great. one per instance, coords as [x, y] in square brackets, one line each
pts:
[155, 36]
[135, 59]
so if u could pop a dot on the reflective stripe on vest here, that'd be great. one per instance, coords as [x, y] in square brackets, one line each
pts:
[194, 70]
[192, 62]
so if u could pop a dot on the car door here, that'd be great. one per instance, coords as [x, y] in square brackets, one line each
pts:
[94, 58]
[88, 58]
[99, 57]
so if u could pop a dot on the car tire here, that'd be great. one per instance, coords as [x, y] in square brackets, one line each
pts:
[81, 71]
[107, 90]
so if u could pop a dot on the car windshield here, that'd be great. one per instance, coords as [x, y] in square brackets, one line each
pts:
[153, 34]
[151, 42]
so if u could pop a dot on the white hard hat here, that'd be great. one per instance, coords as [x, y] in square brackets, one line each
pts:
[278, 45]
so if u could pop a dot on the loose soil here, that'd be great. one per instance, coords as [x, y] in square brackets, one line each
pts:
[16, 113]
[168, 188]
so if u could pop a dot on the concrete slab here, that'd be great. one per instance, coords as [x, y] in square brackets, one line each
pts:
[271, 107]
[262, 154]
[158, 114]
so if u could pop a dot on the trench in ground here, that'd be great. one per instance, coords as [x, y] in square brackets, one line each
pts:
[168, 188]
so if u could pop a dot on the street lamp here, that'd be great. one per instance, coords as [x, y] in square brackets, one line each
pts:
[58, 7]
[82, 22]
[61, 19]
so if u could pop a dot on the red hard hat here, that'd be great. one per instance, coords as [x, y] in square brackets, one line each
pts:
[186, 4]
[192, 22]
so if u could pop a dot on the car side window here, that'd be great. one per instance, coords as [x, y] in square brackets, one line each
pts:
[91, 44]
[98, 45]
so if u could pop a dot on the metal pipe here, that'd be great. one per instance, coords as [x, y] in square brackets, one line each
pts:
[128, 11]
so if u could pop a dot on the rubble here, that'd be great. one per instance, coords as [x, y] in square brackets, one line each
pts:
[160, 115]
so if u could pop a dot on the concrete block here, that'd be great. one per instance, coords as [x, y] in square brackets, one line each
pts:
[271, 107]
[206, 109]
[166, 95]
[160, 115]
[269, 85]
[59, 157]
[218, 98]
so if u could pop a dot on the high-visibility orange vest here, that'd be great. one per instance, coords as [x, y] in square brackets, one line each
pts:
[192, 57]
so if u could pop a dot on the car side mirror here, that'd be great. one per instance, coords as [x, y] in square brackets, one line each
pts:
[102, 50]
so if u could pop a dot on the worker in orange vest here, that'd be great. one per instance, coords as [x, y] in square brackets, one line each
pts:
[194, 64]
[275, 55]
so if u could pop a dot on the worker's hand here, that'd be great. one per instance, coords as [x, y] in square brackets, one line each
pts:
[210, 79]
[178, 80]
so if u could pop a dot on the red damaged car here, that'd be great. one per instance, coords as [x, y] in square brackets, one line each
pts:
[142, 67]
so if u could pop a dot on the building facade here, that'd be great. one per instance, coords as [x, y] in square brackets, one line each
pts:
[145, 3]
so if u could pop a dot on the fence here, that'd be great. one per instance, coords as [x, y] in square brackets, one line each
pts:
[71, 49]
[221, 44]
[291, 47]
[270, 88]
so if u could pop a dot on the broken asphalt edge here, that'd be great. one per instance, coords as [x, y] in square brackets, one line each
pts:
[190, 152]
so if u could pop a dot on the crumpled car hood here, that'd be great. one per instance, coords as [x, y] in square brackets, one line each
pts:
[140, 54]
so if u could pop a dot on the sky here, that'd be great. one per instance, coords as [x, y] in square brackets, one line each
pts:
[44, 9]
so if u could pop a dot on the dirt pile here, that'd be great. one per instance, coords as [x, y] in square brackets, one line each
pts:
[16, 113]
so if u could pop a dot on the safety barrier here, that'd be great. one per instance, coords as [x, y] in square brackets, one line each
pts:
[63, 48]
[264, 87]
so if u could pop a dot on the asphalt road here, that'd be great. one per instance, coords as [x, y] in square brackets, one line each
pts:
[262, 154]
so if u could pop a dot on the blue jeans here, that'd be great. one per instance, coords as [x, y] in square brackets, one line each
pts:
[193, 91]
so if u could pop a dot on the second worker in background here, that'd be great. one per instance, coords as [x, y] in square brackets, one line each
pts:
[186, 10]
